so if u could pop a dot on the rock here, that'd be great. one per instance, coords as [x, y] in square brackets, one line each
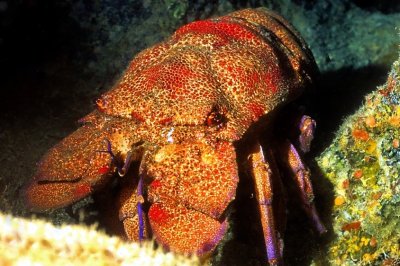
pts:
[363, 164]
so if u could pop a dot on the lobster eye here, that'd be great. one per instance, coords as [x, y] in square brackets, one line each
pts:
[216, 119]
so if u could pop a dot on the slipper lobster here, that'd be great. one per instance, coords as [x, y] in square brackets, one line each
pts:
[182, 112]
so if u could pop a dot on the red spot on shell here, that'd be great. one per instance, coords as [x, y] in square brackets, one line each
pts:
[165, 121]
[205, 26]
[155, 184]
[176, 82]
[221, 28]
[351, 226]
[256, 109]
[82, 190]
[222, 147]
[104, 169]
[158, 215]
[271, 79]
[137, 116]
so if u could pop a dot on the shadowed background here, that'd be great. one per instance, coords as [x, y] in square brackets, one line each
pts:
[57, 57]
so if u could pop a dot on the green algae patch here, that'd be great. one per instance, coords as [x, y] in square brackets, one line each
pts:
[363, 164]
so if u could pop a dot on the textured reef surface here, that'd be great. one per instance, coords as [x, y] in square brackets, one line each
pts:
[363, 164]
[36, 242]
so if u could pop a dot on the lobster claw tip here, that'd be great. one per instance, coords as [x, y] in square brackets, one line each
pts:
[44, 196]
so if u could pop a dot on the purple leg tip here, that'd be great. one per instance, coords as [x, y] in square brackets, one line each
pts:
[140, 209]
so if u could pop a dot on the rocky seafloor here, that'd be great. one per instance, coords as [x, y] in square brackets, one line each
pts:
[56, 58]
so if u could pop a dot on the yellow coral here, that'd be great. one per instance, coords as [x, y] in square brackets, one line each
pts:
[368, 258]
[24, 242]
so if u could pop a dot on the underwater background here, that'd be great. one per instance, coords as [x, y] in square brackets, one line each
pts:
[57, 57]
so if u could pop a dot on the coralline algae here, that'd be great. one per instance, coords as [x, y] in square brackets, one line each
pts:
[363, 164]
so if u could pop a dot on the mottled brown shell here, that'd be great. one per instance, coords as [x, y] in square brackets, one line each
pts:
[243, 64]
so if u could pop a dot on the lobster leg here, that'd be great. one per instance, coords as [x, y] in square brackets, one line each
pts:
[263, 180]
[131, 211]
[301, 176]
